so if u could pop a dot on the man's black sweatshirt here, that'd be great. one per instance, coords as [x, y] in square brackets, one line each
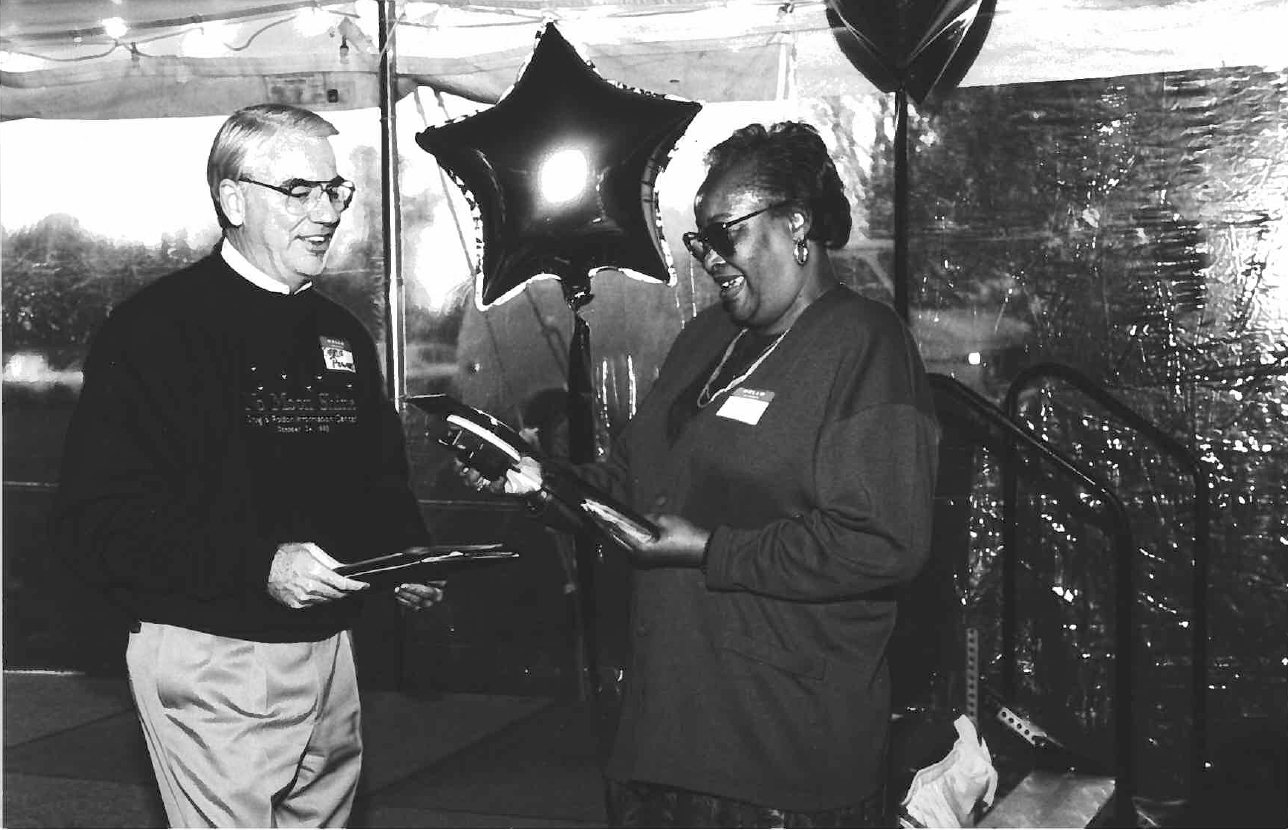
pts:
[218, 420]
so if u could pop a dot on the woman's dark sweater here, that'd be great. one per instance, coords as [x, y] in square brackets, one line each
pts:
[217, 421]
[764, 678]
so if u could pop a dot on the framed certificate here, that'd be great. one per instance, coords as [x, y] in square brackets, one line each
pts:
[490, 446]
[423, 563]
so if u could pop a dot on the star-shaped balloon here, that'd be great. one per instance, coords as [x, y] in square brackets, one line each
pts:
[920, 46]
[561, 172]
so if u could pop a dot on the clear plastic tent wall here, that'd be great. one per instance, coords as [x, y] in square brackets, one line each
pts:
[1134, 229]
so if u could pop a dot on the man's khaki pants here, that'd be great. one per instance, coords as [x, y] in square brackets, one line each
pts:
[246, 734]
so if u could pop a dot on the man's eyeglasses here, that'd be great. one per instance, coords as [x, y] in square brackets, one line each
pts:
[715, 236]
[303, 194]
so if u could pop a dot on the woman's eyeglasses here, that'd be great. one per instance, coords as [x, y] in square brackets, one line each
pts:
[715, 236]
[303, 194]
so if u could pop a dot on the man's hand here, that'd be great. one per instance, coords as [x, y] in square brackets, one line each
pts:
[302, 575]
[419, 596]
[680, 544]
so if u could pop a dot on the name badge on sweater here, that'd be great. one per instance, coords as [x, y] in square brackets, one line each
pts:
[337, 355]
[746, 405]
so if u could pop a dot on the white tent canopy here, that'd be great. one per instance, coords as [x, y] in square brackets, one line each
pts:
[159, 58]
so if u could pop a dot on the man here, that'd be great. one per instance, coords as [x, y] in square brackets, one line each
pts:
[232, 445]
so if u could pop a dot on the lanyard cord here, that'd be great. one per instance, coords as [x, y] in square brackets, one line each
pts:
[706, 396]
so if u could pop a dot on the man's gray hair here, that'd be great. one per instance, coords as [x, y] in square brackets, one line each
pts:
[249, 127]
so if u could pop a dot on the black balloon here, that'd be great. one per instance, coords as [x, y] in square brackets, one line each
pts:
[920, 46]
[601, 143]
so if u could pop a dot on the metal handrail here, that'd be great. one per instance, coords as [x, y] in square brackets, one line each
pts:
[1201, 503]
[1124, 546]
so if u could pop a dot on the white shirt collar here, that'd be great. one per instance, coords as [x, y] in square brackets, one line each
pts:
[239, 263]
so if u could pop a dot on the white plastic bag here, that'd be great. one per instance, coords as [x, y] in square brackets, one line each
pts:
[945, 793]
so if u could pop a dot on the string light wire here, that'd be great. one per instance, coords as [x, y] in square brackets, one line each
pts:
[181, 26]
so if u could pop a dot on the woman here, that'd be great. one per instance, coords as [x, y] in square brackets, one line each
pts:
[787, 451]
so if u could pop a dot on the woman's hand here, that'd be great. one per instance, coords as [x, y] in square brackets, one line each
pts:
[420, 595]
[680, 543]
[526, 479]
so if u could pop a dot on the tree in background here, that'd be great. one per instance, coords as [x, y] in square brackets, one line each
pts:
[61, 282]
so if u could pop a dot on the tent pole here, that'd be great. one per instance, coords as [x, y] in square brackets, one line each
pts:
[391, 226]
[396, 313]
[784, 71]
[901, 203]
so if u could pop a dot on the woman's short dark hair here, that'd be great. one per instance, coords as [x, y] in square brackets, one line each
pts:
[789, 163]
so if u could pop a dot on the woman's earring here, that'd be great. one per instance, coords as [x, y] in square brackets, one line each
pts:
[801, 252]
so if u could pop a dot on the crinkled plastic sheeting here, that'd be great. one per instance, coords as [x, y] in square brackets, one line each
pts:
[1132, 228]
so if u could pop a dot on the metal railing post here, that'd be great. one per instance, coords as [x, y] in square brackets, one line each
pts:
[1201, 505]
[1124, 602]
